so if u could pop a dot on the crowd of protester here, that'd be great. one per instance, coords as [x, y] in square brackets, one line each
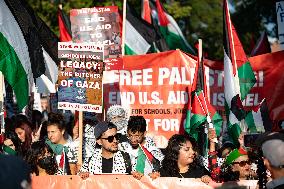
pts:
[120, 145]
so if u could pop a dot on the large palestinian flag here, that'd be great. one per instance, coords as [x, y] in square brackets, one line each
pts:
[170, 29]
[27, 46]
[238, 76]
[139, 34]
[15, 63]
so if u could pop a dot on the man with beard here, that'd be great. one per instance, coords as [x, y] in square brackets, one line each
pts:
[119, 117]
[144, 154]
[107, 158]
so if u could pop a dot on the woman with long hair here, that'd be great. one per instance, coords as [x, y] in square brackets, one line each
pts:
[41, 159]
[23, 128]
[63, 149]
[181, 159]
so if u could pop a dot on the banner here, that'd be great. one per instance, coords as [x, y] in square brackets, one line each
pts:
[280, 22]
[99, 25]
[270, 84]
[155, 86]
[125, 181]
[80, 76]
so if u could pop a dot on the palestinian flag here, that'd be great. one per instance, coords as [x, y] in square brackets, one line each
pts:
[170, 29]
[49, 42]
[201, 111]
[258, 119]
[262, 46]
[238, 76]
[15, 62]
[146, 11]
[139, 34]
[29, 30]
[65, 33]
[146, 162]
[40, 40]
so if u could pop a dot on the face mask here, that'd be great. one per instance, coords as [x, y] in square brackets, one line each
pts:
[46, 162]
[120, 124]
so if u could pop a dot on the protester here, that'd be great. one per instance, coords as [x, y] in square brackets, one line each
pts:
[214, 162]
[180, 159]
[41, 159]
[119, 116]
[23, 128]
[66, 152]
[140, 147]
[272, 146]
[237, 166]
[107, 158]
[11, 143]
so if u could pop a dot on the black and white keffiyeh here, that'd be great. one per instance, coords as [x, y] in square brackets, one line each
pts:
[93, 165]
[149, 145]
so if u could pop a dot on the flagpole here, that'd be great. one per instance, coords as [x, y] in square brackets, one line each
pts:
[200, 59]
[80, 138]
[2, 103]
[123, 28]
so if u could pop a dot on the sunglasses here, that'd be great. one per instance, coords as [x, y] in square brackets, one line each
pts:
[242, 163]
[111, 138]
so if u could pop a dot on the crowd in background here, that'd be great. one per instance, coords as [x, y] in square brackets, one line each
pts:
[120, 145]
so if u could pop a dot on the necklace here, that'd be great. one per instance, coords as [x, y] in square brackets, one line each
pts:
[181, 175]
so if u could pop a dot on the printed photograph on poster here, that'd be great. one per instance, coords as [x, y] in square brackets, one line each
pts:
[98, 25]
[80, 76]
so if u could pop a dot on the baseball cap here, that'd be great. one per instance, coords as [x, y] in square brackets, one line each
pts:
[102, 127]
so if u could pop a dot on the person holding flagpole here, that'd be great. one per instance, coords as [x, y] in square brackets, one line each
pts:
[144, 154]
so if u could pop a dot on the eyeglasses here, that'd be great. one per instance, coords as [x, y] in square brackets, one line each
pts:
[242, 163]
[111, 138]
[134, 136]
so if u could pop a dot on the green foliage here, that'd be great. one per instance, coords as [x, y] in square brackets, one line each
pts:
[250, 18]
[198, 18]
[177, 11]
[205, 22]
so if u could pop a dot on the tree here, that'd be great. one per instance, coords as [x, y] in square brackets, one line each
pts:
[197, 18]
[251, 17]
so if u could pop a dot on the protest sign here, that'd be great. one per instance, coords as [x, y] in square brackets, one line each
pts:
[155, 86]
[80, 76]
[118, 181]
[99, 25]
[268, 72]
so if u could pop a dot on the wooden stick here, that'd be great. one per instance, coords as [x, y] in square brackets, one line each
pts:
[81, 128]
[123, 28]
